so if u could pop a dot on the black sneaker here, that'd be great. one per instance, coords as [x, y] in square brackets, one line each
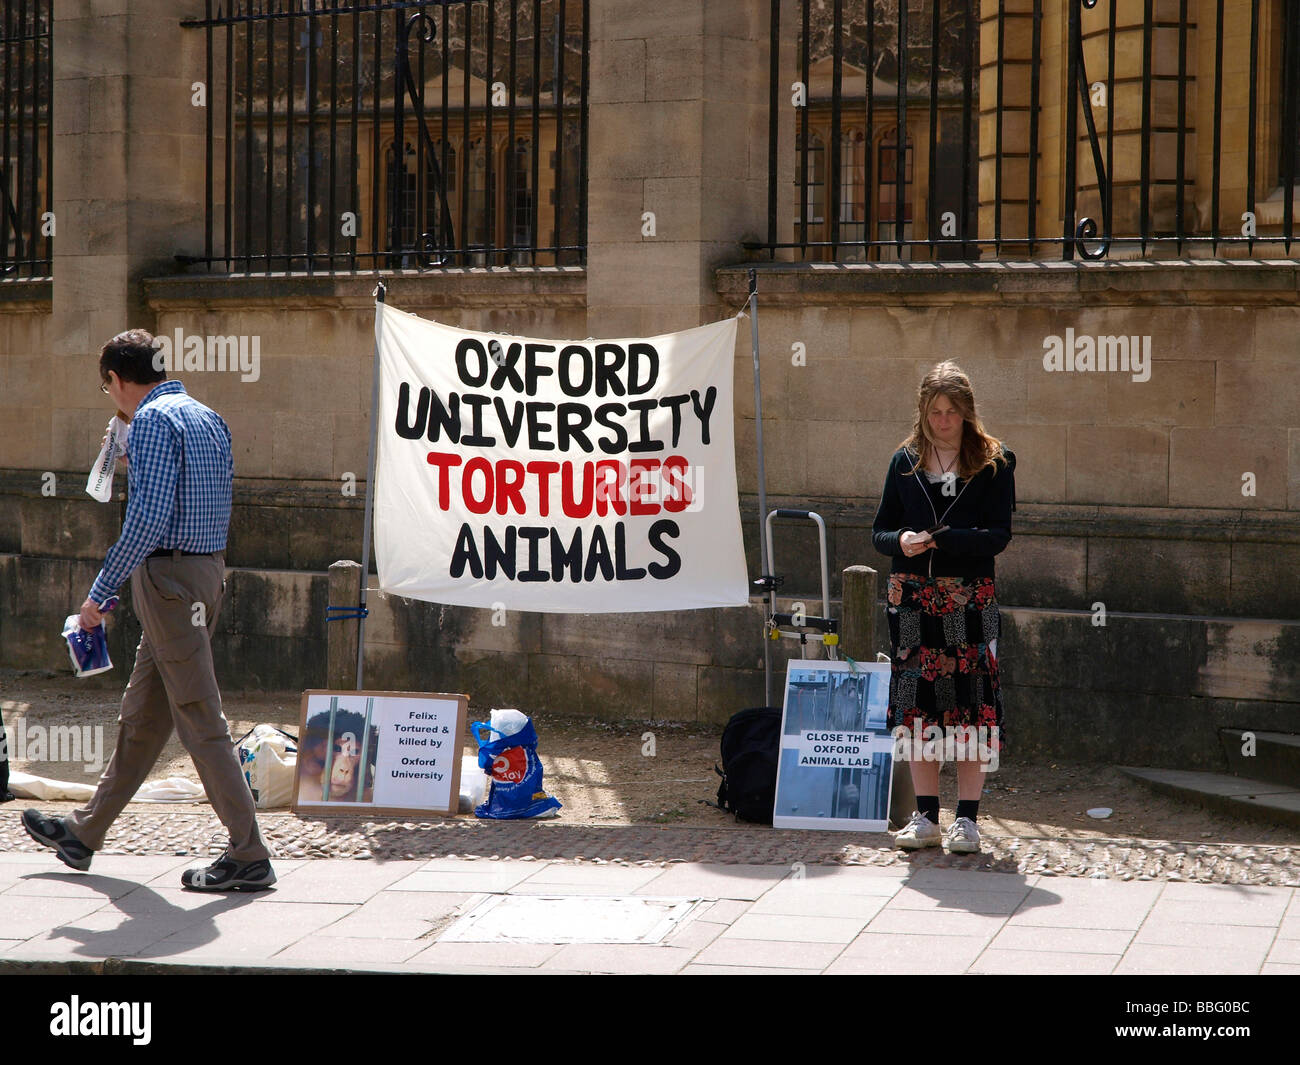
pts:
[226, 874]
[53, 832]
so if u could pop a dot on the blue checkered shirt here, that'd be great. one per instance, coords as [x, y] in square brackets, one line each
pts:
[179, 480]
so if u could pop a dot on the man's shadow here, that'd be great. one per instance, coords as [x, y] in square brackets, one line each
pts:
[150, 918]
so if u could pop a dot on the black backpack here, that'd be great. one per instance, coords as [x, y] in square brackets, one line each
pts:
[751, 744]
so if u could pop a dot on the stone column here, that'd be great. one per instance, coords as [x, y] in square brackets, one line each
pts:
[678, 132]
[128, 185]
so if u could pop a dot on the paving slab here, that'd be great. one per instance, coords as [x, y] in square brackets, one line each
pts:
[25, 916]
[970, 880]
[694, 935]
[1044, 962]
[767, 953]
[744, 970]
[350, 951]
[937, 922]
[907, 954]
[951, 897]
[487, 955]
[807, 902]
[335, 880]
[715, 881]
[619, 958]
[401, 914]
[1104, 908]
[1285, 951]
[1062, 940]
[1217, 911]
[1205, 935]
[572, 880]
[786, 928]
[71, 885]
[477, 876]
[1149, 958]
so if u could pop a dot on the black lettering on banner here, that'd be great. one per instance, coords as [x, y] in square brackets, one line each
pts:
[497, 554]
[607, 372]
[620, 556]
[703, 413]
[536, 427]
[476, 437]
[444, 419]
[570, 557]
[634, 355]
[510, 430]
[473, 379]
[534, 369]
[567, 385]
[646, 442]
[533, 534]
[674, 403]
[404, 429]
[573, 419]
[672, 565]
[599, 558]
[612, 446]
[506, 370]
[465, 553]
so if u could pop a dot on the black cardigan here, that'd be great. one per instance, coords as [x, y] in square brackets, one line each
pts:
[979, 516]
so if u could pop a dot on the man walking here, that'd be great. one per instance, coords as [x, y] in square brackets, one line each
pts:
[172, 546]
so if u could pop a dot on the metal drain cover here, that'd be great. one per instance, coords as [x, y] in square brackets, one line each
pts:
[569, 919]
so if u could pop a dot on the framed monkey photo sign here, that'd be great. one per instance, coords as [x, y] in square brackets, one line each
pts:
[392, 753]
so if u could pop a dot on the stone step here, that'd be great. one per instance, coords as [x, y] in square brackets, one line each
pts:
[1259, 800]
[1276, 755]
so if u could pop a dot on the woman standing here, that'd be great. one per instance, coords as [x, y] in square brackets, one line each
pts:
[944, 514]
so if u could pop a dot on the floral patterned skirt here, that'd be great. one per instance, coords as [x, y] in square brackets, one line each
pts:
[944, 636]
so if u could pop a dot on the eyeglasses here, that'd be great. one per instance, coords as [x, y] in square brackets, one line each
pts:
[104, 387]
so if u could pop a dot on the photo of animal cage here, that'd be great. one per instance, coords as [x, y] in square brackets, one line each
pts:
[379, 752]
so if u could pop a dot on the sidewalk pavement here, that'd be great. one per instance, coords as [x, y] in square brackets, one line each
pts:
[458, 915]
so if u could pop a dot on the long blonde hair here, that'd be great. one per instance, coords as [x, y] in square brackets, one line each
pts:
[978, 448]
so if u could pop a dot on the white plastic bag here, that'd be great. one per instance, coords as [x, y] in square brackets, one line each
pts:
[268, 757]
[99, 485]
[170, 789]
[507, 722]
[473, 784]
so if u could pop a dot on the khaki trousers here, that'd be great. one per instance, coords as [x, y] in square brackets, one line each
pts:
[177, 598]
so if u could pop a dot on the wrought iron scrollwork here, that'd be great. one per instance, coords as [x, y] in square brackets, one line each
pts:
[430, 250]
[1087, 229]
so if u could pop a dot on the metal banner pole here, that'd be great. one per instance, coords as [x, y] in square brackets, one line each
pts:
[764, 560]
[379, 294]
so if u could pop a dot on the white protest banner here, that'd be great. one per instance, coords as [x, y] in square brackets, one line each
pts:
[555, 475]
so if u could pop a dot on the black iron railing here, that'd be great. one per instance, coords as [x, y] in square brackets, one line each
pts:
[388, 135]
[938, 130]
[27, 225]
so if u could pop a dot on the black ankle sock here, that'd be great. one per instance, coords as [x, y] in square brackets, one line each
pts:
[968, 808]
[929, 805]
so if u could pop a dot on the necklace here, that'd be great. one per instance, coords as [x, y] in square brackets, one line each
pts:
[944, 467]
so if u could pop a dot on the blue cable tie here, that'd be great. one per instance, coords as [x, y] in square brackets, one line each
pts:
[345, 613]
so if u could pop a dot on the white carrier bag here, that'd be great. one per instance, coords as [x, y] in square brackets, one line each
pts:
[268, 757]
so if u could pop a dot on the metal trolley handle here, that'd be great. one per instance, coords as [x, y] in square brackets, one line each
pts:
[786, 624]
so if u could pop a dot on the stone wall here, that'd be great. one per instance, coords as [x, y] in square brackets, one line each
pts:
[1130, 492]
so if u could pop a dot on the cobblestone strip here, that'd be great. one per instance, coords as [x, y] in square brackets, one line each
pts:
[192, 834]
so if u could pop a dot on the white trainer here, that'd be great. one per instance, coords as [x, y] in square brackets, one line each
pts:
[963, 837]
[919, 832]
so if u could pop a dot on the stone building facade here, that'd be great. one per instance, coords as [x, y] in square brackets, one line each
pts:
[1170, 504]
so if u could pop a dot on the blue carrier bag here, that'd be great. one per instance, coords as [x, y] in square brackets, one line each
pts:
[514, 774]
